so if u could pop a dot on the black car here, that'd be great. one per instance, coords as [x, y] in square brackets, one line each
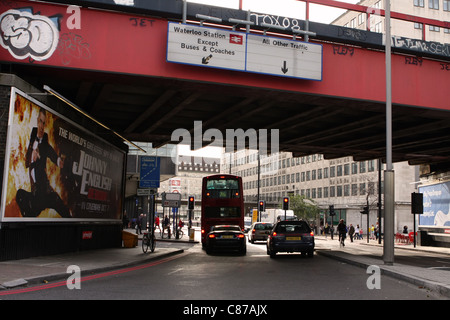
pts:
[226, 237]
[291, 236]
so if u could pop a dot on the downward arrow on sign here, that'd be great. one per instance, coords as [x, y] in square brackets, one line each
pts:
[284, 69]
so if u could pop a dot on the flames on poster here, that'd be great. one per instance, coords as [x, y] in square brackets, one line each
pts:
[55, 169]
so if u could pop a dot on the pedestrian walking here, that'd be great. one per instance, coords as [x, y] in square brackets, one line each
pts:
[139, 224]
[342, 230]
[125, 221]
[351, 232]
[357, 232]
[157, 223]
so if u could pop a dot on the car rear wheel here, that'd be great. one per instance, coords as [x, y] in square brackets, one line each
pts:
[271, 252]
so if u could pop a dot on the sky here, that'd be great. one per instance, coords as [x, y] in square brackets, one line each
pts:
[286, 8]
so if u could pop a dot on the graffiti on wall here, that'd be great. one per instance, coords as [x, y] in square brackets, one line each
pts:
[28, 35]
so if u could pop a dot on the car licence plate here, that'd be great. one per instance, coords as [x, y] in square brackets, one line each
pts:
[227, 237]
[293, 238]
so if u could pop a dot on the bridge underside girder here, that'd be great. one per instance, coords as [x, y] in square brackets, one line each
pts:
[130, 87]
[150, 110]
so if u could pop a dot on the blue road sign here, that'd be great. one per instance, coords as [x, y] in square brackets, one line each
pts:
[149, 174]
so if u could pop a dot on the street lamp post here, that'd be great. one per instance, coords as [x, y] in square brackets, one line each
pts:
[389, 200]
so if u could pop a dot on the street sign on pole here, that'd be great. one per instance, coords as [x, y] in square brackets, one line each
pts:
[171, 200]
[149, 172]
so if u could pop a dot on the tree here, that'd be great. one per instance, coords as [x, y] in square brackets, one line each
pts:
[304, 208]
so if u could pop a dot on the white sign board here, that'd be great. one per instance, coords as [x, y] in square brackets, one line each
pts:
[208, 47]
[171, 200]
[282, 57]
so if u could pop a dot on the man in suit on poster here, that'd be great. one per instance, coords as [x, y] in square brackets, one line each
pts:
[42, 195]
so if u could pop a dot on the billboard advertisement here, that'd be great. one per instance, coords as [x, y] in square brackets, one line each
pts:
[436, 205]
[55, 170]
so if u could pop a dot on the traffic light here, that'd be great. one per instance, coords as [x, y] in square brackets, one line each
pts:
[365, 210]
[262, 206]
[286, 203]
[417, 203]
[331, 209]
[191, 203]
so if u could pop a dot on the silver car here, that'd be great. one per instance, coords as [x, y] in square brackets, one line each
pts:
[259, 231]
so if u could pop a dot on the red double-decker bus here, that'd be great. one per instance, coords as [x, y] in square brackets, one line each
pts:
[222, 202]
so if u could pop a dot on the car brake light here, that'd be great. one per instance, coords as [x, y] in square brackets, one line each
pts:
[274, 234]
[211, 236]
[253, 231]
[241, 236]
[311, 234]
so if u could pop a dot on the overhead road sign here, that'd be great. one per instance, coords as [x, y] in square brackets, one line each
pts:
[208, 47]
[282, 57]
[211, 47]
[149, 174]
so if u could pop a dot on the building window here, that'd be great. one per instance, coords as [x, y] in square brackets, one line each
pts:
[339, 191]
[378, 27]
[346, 169]
[362, 167]
[371, 165]
[354, 168]
[332, 172]
[360, 19]
[419, 3]
[362, 188]
[418, 25]
[354, 189]
[433, 4]
[346, 190]
[446, 5]
[332, 192]
[435, 29]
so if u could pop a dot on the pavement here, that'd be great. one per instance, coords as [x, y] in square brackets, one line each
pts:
[427, 267]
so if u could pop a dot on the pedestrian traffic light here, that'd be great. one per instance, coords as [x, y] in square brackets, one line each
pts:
[262, 206]
[286, 203]
[331, 209]
[191, 202]
[417, 203]
[365, 210]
